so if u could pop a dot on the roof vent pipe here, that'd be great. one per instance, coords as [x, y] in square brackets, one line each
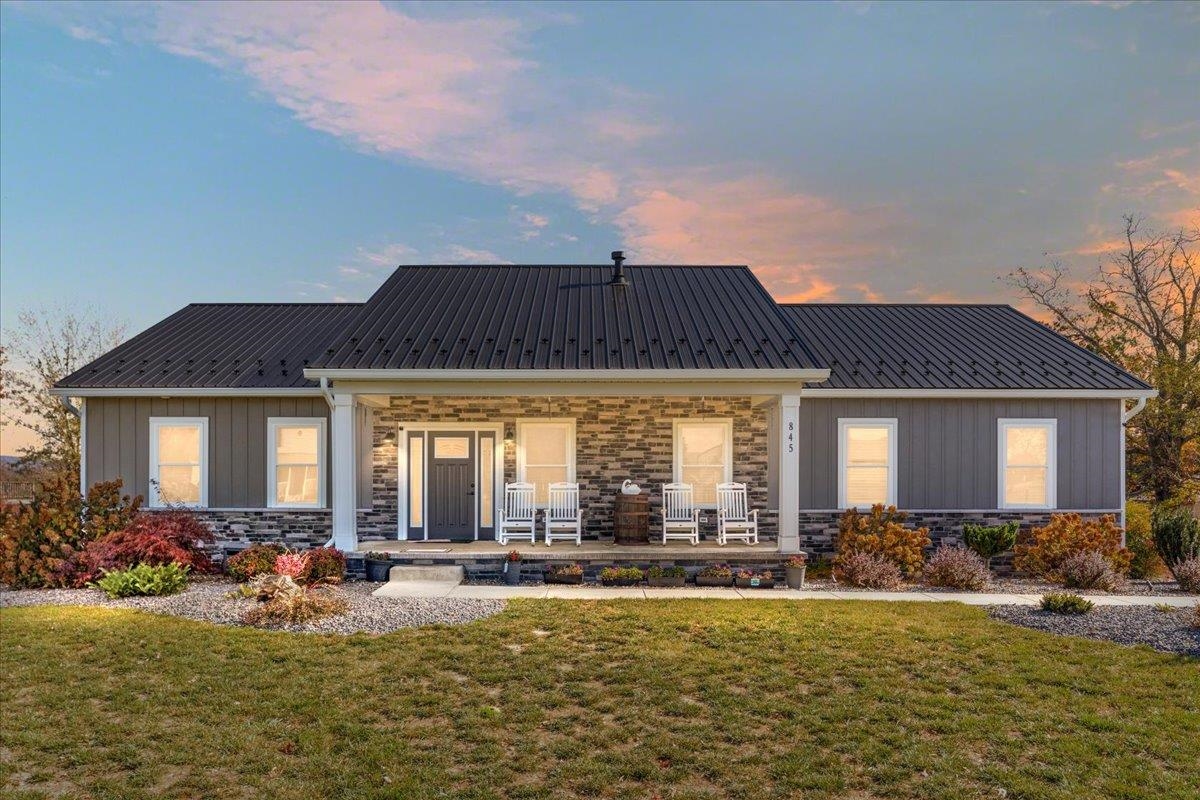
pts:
[618, 277]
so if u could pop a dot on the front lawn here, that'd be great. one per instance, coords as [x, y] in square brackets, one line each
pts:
[637, 699]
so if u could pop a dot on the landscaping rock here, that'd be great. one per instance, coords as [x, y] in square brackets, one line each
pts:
[206, 600]
[1168, 631]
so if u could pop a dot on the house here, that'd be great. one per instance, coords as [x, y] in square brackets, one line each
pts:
[404, 416]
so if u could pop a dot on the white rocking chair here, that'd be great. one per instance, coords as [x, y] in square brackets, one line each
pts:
[563, 519]
[516, 516]
[680, 517]
[734, 519]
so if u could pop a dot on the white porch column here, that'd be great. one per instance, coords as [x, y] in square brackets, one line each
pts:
[789, 473]
[342, 436]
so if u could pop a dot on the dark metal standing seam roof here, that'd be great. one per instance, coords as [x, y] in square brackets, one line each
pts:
[923, 346]
[568, 317]
[221, 345]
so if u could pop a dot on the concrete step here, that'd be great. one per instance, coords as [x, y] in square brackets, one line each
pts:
[449, 573]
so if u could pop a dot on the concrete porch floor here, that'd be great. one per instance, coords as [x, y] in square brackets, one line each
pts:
[566, 551]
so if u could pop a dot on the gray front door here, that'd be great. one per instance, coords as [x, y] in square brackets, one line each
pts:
[451, 488]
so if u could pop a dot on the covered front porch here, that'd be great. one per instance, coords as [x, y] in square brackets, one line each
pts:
[419, 471]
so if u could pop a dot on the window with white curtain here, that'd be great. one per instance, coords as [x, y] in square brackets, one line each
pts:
[178, 461]
[703, 456]
[866, 462]
[545, 454]
[296, 462]
[1027, 463]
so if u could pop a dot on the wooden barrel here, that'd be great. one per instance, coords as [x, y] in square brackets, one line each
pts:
[631, 520]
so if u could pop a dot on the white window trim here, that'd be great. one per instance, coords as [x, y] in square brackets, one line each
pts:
[522, 424]
[677, 426]
[844, 424]
[274, 424]
[1002, 425]
[169, 422]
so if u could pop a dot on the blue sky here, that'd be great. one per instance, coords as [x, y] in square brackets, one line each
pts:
[151, 156]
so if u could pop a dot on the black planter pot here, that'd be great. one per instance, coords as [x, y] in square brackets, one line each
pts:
[512, 574]
[568, 579]
[377, 571]
[708, 580]
[676, 581]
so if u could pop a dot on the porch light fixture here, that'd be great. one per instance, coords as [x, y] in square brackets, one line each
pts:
[389, 437]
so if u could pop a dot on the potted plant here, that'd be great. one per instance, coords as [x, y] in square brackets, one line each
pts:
[565, 573]
[512, 567]
[715, 575]
[795, 568]
[620, 576]
[378, 566]
[748, 579]
[666, 576]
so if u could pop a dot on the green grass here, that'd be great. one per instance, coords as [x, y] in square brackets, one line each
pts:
[634, 699]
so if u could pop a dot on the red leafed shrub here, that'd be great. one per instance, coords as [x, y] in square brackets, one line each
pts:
[153, 538]
[40, 540]
[324, 565]
[257, 559]
[1043, 550]
[292, 565]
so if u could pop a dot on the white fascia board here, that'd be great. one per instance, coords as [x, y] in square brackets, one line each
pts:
[1092, 394]
[186, 391]
[569, 375]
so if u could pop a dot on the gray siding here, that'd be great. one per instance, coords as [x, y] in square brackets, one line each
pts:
[118, 441]
[947, 450]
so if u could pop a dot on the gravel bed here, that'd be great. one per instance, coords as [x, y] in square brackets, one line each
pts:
[1018, 586]
[206, 600]
[1168, 631]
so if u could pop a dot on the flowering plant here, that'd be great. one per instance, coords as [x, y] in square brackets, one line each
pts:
[567, 569]
[292, 565]
[513, 555]
[798, 560]
[716, 571]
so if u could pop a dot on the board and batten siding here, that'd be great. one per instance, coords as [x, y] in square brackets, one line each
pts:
[118, 442]
[947, 450]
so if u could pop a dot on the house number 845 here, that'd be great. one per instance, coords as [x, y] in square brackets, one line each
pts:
[791, 437]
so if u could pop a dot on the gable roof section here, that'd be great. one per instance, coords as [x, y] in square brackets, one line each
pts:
[923, 346]
[568, 318]
[221, 345]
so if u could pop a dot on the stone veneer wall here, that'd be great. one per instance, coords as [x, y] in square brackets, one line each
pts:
[615, 438]
[238, 528]
[818, 529]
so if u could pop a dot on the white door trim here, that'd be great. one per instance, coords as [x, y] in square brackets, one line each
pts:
[404, 428]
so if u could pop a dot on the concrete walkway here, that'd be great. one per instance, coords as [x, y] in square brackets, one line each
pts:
[556, 591]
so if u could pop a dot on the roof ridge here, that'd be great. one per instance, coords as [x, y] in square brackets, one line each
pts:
[569, 266]
[277, 303]
[903, 305]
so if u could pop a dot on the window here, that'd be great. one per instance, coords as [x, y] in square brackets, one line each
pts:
[416, 481]
[703, 456]
[296, 462]
[866, 462]
[1027, 449]
[178, 461]
[487, 478]
[545, 454]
